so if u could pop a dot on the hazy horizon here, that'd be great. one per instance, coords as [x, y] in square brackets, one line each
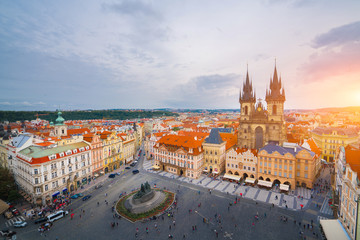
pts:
[176, 54]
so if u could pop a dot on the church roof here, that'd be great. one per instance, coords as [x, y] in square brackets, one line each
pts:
[214, 137]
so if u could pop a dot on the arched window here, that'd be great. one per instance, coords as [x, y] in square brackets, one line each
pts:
[274, 109]
[246, 110]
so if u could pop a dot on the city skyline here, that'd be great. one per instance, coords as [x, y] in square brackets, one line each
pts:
[146, 55]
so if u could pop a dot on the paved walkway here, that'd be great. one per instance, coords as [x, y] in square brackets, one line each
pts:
[291, 201]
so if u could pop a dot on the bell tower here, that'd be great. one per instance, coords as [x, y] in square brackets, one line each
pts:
[275, 98]
[247, 99]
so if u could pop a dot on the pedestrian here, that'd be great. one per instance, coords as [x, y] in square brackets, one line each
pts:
[169, 227]
[195, 227]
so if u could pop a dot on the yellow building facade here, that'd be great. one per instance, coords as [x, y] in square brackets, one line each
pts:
[330, 139]
[112, 151]
[289, 164]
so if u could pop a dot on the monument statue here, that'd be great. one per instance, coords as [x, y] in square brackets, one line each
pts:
[145, 188]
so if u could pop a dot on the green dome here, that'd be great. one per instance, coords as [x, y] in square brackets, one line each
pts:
[51, 123]
[60, 120]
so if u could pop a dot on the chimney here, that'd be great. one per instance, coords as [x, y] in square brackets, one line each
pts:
[195, 138]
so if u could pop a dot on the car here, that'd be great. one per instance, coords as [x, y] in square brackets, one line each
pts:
[6, 233]
[20, 224]
[86, 197]
[98, 186]
[127, 167]
[135, 161]
[118, 173]
[112, 175]
[135, 171]
[75, 196]
[15, 212]
[40, 220]
[132, 164]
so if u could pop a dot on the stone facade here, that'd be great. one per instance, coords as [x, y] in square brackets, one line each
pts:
[242, 162]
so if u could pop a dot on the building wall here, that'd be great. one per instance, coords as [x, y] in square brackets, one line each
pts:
[281, 167]
[329, 143]
[214, 157]
[42, 180]
[349, 196]
[242, 163]
[178, 161]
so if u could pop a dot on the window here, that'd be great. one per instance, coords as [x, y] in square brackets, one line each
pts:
[249, 168]
[36, 171]
[275, 165]
[38, 190]
[285, 174]
[63, 180]
[63, 171]
[279, 174]
[45, 178]
[280, 166]
[265, 164]
[36, 181]
[46, 187]
[260, 170]
[275, 173]
[269, 172]
[290, 175]
[306, 168]
[253, 169]
[290, 168]
[244, 167]
[298, 166]
[298, 174]
[269, 164]
[265, 171]
[260, 163]
[285, 167]
[306, 176]
[70, 169]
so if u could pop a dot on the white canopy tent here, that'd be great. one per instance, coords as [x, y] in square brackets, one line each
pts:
[264, 183]
[232, 177]
[250, 180]
[284, 187]
[333, 230]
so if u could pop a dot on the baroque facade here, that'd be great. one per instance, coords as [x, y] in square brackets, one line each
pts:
[258, 126]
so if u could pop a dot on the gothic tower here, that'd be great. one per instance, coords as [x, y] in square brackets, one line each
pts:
[275, 98]
[247, 99]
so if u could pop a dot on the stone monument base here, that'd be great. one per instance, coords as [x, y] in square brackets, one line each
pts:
[135, 206]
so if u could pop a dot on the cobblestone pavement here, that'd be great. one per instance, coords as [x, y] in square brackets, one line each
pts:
[291, 201]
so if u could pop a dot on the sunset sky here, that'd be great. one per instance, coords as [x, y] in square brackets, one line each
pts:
[176, 54]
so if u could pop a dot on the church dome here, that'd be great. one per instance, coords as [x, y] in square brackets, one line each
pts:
[60, 120]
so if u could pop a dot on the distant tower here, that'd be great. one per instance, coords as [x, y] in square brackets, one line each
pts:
[60, 127]
[275, 98]
[247, 99]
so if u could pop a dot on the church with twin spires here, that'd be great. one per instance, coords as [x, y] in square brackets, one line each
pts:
[259, 126]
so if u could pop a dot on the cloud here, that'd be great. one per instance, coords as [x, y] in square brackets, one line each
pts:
[206, 91]
[5, 103]
[335, 54]
[338, 36]
[134, 8]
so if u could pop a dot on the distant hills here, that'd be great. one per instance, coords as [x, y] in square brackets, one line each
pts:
[13, 116]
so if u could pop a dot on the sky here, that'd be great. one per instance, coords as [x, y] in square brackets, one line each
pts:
[176, 53]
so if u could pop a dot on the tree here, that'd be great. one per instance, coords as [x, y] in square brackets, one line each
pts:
[8, 188]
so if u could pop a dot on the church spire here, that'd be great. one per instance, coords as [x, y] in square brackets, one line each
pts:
[247, 94]
[275, 91]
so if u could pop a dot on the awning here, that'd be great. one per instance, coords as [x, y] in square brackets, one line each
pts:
[232, 177]
[284, 187]
[55, 193]
[205, 170]
[3, 206]
[215, 172]
[333, 230]
[101, 172]
[65, 189]
[155, 167]
[250, 180]
[264, 183]
[96, 175]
